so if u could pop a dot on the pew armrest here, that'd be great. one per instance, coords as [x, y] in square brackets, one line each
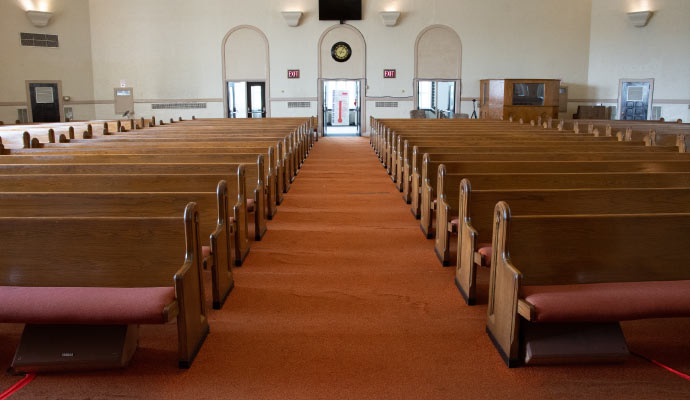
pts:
[525, 309]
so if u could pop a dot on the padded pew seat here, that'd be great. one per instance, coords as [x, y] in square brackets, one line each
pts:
[250, 205]
[608, 302]
[86, 305]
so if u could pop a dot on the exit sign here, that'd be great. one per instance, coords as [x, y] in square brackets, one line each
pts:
[293, 74]
[389, 74]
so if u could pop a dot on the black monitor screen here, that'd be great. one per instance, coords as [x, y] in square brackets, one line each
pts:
[340, 10]
[528, 94]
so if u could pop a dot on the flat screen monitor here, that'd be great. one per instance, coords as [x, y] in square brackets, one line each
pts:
[528, 94]
[340, 10]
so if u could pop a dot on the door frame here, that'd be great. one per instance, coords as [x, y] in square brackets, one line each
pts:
[458, 91]
[620, 95]
[226, 101]
[29, 109]
[320, 87]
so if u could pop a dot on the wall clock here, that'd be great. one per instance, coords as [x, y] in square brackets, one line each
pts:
[341, 52]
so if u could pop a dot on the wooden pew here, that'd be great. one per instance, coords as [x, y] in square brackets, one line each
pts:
[412, 169]
[122, 274]
[116, 183]
[450, 175]
[477, 206]
[214, 221]
[425, 183]
[253, 170]
[548, 292]
[411, 156]
[272, 179]
[395, 160]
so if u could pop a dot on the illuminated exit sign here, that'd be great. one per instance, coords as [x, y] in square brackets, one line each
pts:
[293, 74]
[389, 74]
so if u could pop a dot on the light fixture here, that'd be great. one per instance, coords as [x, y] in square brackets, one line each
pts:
[390, 18]
[39, 18]
[640, 19]
[292, 17]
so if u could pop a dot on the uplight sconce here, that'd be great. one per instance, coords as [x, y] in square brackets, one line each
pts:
[640, 19]
[292, 17]
[39, 18]
[390, 18]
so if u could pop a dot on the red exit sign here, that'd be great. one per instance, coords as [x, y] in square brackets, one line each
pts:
[293, 74]
[389, 74]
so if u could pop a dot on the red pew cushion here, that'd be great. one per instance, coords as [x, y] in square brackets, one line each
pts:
[485, 251]
[205, 251]
[84, 305]
[250, 205]
[606, 302]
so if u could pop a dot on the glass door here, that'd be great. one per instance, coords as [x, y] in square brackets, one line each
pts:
[436, 98]
[256, 99]
[341, 108]
[237, 100]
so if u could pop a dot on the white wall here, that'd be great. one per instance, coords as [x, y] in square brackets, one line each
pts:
[70, 62]
[661, 50]
[180, 41]
[171, 50]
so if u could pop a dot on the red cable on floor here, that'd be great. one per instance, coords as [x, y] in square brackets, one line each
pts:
[657, 363]
[15, 388]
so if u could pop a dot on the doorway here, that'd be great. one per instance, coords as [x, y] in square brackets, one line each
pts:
[44, 101]
[436, 98]
[341, 108]
[635, 99]
[246, 99]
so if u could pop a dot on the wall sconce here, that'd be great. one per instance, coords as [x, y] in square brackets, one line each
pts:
[292, 17]
[39, 18]
[640, 19]
[390, 18]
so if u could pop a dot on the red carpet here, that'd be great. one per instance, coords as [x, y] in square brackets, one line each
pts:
[344, 298]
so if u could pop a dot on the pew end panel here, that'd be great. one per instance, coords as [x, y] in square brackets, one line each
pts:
[465, 270]
[221, 251]
[126, 271]
[428, 200]
[502, 322]
[444, 227]
[540, 277]
[240, 218]
[192, 322]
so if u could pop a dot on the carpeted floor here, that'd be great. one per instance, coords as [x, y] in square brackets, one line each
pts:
[344, 298]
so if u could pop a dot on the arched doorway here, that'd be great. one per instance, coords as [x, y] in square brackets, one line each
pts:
[437, 71]
[246, 73]
[341, 84]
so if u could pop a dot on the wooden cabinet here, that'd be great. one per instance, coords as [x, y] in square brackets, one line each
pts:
[528, 99]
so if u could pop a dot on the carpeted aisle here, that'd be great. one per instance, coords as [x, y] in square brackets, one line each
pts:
[344, 298]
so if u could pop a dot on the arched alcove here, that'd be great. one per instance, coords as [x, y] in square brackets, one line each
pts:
[245, 55]
[353, 69]
[438, 57]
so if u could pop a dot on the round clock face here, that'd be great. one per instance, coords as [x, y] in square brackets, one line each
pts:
[341, 51]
